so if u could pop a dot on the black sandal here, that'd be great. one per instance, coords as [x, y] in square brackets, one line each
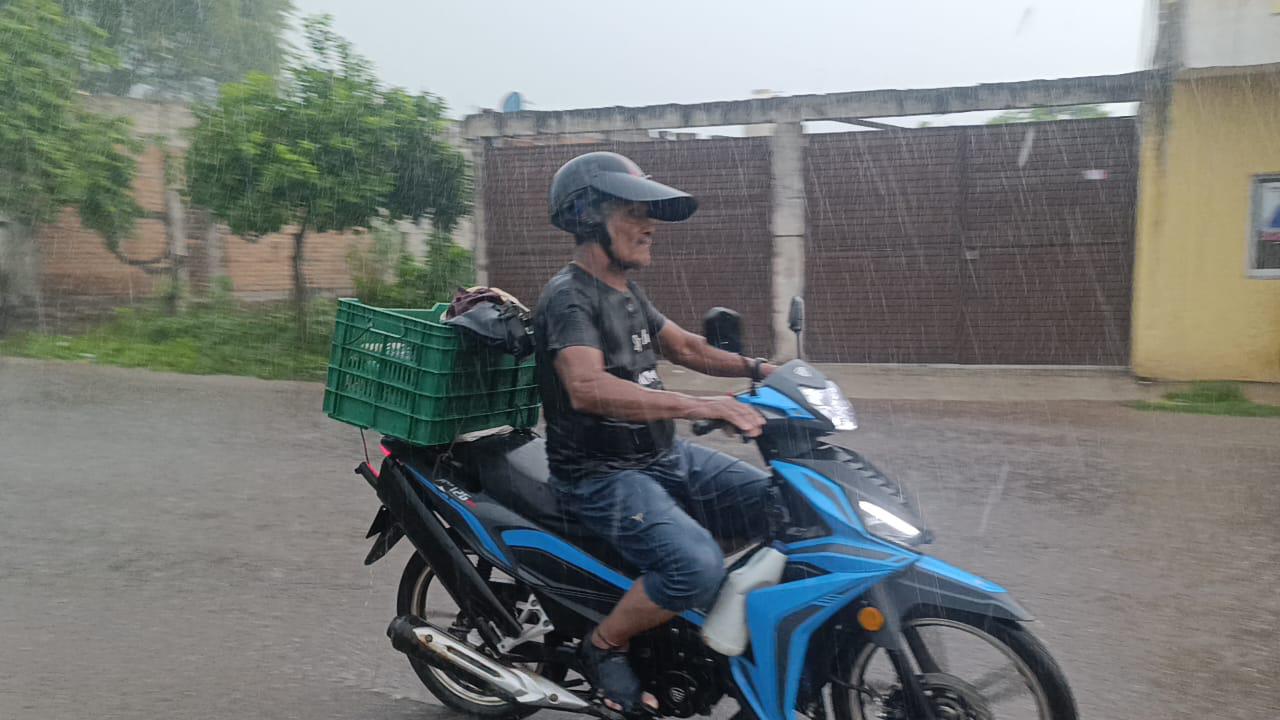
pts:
[610, 673]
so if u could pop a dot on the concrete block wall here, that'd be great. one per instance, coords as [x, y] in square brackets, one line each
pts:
[980, 245]
[75, 265]
[77, 274]
[77, 269]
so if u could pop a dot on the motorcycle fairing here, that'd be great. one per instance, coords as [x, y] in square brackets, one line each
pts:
[463, 517]
[571, 554]
[770, 399]
[782, 620]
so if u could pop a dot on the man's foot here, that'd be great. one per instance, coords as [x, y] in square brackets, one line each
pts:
[609, 672]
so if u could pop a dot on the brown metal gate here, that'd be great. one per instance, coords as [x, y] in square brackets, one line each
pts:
[719, 257]
[995, 244]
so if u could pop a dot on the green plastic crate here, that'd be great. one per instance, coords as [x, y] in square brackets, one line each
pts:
[406, 374]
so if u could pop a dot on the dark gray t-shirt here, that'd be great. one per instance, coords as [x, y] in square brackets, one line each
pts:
[576, 309]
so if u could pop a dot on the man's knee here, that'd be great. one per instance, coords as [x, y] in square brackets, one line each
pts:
[690, 578]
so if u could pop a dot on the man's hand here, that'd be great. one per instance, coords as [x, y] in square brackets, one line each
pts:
[744, 418]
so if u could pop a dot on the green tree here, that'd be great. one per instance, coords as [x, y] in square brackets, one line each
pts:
[324, 149]
[1043, 114]
[184, 48]
[386, 274]
[53, 152]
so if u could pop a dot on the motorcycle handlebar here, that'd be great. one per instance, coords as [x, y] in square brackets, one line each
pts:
[706, 427]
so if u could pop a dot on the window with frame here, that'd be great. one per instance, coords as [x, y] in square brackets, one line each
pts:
[1264, 227]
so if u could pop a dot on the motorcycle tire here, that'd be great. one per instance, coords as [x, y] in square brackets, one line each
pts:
[454, 692]
[1055, 701]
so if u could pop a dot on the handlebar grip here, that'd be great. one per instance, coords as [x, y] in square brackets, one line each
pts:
[706, 427]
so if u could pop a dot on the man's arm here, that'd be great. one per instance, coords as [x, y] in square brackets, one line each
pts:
[594, 391]
[692, 351]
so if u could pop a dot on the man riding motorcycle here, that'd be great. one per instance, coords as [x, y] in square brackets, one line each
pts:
[616, 465]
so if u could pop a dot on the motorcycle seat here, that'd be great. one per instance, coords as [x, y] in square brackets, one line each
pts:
[512, 470]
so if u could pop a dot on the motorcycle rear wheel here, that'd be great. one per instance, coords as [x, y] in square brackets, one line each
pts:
[1025, 658]
[416, 596]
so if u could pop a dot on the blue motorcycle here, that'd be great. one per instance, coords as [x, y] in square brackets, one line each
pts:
[852, 622]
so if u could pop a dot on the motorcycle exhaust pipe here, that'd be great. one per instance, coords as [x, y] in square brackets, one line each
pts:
[422, 640]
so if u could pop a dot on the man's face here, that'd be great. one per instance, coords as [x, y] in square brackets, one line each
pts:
[631, 230]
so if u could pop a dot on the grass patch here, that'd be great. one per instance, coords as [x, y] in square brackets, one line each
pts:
[1216, 398]
[218, 337]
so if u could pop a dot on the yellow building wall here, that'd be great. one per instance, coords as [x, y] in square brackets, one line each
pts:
[1197, 315]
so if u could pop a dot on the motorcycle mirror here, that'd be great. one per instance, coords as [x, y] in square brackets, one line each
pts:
[795, 319]
[723, 329]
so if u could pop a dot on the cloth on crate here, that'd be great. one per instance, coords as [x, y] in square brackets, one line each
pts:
[493, 317]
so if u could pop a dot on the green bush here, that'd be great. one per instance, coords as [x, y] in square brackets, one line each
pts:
[1210, 398]
[217, 336]
[386, 275]
[1210, 393]
[221, 336]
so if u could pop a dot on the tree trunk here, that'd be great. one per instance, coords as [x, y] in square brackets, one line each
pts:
[300, 281]
[20, 289]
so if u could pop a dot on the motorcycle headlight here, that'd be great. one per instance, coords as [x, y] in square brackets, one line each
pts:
[831, 402]
[885, 524]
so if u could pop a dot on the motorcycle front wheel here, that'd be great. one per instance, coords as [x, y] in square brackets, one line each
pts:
[971, 667]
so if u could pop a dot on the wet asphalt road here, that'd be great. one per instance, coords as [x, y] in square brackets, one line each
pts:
[185, 547]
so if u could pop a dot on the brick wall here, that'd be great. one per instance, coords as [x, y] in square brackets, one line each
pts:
[78, 271]
[718, 257]
[882, 267]
[964, 244]
[1049, 272]
[1007, 244]
[75, 264]
[265, 268]
[986, 244]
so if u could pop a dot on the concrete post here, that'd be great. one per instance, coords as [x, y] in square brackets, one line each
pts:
[480, 251]
[787, 149]
[415, 236]
[464, 234]
[213, 248]
[175, 227]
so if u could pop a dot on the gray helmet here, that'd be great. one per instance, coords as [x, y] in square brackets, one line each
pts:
[581, 184]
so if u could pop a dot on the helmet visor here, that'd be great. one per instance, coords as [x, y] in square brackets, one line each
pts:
[665, 203]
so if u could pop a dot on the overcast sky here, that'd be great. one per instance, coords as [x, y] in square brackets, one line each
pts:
[567, 53]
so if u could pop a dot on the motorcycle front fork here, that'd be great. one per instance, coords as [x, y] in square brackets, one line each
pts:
[900, 645]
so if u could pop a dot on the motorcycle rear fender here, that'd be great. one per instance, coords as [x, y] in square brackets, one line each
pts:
[384, 526]
[931, 582]
[388, 532]
[411, 505]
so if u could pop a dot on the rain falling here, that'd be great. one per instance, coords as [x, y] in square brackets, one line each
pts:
[833, 361]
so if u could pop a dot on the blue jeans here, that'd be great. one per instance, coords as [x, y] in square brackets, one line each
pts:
[666, 518]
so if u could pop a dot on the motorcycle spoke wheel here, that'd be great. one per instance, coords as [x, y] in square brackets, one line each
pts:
[971, 668]
[432, 603]
[422, 595]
